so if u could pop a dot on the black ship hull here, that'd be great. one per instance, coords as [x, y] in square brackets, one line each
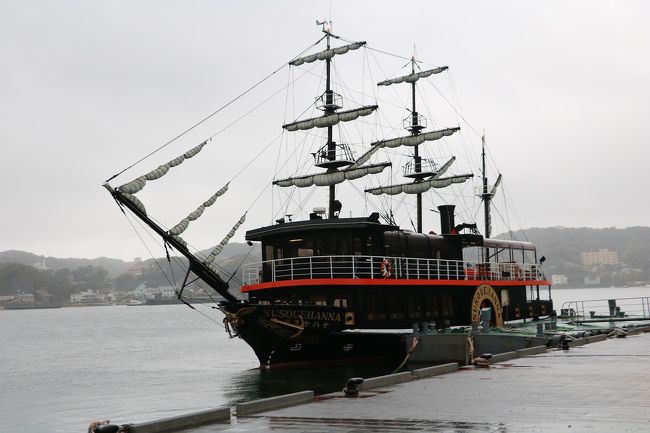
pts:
[285, 334]
[292, 336]
[338, 347]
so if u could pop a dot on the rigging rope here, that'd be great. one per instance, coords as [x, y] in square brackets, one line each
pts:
[172, 283]
[212, 114]
[177, 260]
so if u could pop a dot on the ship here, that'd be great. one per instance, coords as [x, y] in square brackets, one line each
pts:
[331, 288]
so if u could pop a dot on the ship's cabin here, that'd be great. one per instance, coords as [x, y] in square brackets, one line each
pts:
[329, 237]
[365, 248]
[359, 262]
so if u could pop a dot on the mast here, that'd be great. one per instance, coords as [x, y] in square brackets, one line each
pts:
[204, 268]
[329, 109]
[486, 200]
[486, 196]
[197, 266]
[425, 174]
[415, 130]
[336, 158]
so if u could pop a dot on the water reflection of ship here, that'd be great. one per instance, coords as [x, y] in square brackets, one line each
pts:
[331, 288]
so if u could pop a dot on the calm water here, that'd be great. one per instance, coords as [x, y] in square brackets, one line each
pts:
[61, 368]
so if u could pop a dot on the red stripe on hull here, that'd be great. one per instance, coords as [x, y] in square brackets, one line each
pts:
[387, 282]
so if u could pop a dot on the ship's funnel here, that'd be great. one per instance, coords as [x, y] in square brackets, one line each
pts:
[447, 222]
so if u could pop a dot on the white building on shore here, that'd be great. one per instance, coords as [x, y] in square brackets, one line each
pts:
[85, 297]
[559, 280]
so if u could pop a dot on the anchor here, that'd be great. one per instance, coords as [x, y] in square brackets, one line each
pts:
[300, 327]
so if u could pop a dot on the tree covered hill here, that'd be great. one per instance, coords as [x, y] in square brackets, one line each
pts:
[59, 277]
[114, 267]
[562, 246]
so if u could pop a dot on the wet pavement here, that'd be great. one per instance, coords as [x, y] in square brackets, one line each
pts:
[599, 387]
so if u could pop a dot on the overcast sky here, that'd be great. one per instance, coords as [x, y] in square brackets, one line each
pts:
[561, 88]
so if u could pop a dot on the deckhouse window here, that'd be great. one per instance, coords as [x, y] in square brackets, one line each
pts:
[357, 248]
[268, 252]
[327, 246]
[505, 297]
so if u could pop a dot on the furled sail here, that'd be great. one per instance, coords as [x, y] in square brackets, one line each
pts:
[445, 166]
[215, 252]
[137, 184]
[214, 197]
[327, 54]
[496, 185]
[330, 119]
[419, 187]
[133, 199]
[133, 186]
[180, 227]
[180, 240]
[185, 222]
[332, 178]
[412, 78]
[414, 140]
[365, 157]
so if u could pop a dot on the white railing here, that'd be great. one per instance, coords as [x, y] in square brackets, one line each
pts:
[616, 308]
[379, 267]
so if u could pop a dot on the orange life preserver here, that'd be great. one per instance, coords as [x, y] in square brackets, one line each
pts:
[386, 268]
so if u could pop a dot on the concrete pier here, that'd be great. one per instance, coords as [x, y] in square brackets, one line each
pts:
[601, 386]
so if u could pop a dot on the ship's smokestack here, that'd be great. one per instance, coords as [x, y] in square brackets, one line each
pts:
[447, 222]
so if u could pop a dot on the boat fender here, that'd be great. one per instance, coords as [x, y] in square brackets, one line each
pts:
[386, 268]
[565, 344]
[482, 361]
[618, 333]
[555, 341]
